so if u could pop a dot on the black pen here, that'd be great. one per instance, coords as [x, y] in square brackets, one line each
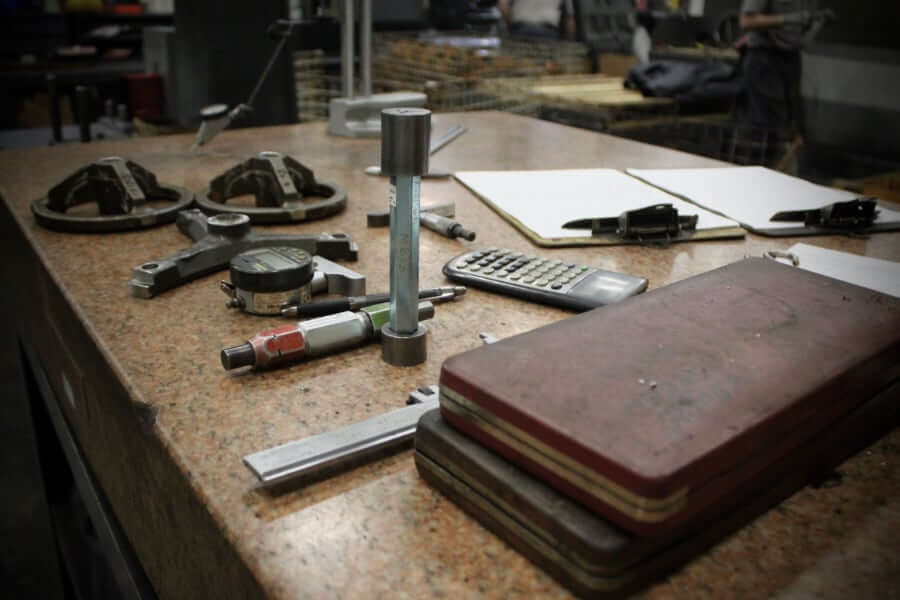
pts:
[354, 303]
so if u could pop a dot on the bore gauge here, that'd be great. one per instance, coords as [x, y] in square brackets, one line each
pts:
[405, 134]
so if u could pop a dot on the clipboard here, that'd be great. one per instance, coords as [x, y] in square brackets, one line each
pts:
[771, 203]
[872, 273]
[539, 203]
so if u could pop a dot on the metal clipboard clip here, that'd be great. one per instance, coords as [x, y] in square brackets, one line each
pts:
[657, 223]
[776, 254]
[852, 214]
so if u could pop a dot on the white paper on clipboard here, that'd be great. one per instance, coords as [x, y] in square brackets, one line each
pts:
[751, 195]
[543, 201]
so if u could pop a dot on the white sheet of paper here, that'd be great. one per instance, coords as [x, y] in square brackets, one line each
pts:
[873, 273]
[750, 195]
[544, 200]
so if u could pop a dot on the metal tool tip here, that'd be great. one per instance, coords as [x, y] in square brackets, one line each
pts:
[238, 356]
[289, 311]
[459, 290]
[466, 234]
[426, 310]
[447, 296]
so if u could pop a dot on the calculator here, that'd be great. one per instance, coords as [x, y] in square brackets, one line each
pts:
[545, 280]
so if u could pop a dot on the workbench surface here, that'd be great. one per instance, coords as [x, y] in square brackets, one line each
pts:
[164, 427]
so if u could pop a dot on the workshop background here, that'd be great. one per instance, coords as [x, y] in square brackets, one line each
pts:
[77, 71]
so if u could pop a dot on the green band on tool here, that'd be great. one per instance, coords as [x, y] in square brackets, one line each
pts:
[379, 313]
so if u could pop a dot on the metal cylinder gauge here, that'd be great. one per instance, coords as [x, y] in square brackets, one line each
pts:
[405, 136]
[266, 279]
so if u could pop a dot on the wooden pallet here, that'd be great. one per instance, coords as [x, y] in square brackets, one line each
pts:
[594, 95]
[596, 90]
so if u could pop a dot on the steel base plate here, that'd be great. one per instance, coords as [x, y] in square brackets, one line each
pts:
[402, 350]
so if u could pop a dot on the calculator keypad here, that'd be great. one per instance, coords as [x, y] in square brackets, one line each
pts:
[526, 271]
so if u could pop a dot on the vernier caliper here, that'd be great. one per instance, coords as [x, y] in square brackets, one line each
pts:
[341, 446]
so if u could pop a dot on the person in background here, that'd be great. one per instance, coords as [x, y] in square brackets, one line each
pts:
[539, 18]
[642, 41]
[776, 33]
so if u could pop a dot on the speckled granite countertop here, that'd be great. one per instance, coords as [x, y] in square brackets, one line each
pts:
[378, 530]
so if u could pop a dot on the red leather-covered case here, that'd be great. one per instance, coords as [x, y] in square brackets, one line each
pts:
[650, 410]
[591, 556]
